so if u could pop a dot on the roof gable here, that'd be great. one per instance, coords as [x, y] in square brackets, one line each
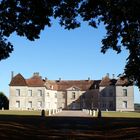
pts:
[83, 85]
[122, 82]
[73, 88]
[106, 81]
[18, 80]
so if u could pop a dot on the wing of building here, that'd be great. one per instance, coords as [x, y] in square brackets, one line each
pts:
[36, 93]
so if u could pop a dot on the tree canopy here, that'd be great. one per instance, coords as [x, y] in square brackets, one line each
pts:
[120, 17]
[4, 102]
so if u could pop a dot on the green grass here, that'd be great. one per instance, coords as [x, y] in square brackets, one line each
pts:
[121, 114]
[104, 113]
[14, 112]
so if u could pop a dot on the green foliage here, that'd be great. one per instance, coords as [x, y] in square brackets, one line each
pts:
[4, 102]
[120, 17]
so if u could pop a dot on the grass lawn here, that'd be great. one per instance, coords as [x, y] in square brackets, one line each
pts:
[14, 112]
[121, 114]
[104, 113]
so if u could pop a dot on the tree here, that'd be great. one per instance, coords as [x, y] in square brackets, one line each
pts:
[4, 102]
[120, 17]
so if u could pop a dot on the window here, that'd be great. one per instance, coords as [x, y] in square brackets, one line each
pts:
[55, 95]
[48, 95]
[29, 92]
[110, 93]
[63, 105]
[40, 93]
[104, 105]
[30, 104]
[104, 94]
[111, 104]
[95, 86]
[18, 104]
[17, 92]
[48, 105]
[124, 104]
[73, 95]
[124, 92]
[63, 95]
[39, 104]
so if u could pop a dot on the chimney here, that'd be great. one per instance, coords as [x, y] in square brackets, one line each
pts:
[113, 76]
[88, 78]
[46, 78]
[12, 74]
[36, 74]
[59, 79]
[107, 75]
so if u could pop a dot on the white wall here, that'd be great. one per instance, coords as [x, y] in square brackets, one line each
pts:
[50, 99]
[120, 98]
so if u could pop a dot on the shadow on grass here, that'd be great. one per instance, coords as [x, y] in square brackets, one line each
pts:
[37, 127]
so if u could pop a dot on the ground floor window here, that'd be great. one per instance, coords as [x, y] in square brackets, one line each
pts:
[30, 104]
[111, 104]
[63, 105]
[48, 105]
[18, 104]
[39, 104]
[124, 104]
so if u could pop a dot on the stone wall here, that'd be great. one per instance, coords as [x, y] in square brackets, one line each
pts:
[123, 102]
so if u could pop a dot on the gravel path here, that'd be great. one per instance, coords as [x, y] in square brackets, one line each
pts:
[72, 113]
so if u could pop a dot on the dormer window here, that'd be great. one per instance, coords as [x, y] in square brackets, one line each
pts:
[51, 87]
[95, 86]
[73, 95]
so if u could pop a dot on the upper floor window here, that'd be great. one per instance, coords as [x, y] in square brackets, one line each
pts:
[40, 93]
[73, 95]
[48, 95]
[29, 92]
[55, 95]
[110, 93]
[17, 92]
[63, 94]
[124, 92]
[104, 94]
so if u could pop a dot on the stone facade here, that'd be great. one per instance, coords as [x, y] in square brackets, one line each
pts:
[36, 93]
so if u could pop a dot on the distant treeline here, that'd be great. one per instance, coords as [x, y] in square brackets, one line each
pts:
[137, 106]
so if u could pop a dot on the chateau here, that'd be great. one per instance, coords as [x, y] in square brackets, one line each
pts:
[36, 93]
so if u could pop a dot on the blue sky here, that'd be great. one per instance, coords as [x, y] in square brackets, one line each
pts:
[73, 54]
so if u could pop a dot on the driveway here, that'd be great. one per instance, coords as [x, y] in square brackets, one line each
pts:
[72, 113]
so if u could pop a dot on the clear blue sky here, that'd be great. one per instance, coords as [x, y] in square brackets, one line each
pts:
[73, 54]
